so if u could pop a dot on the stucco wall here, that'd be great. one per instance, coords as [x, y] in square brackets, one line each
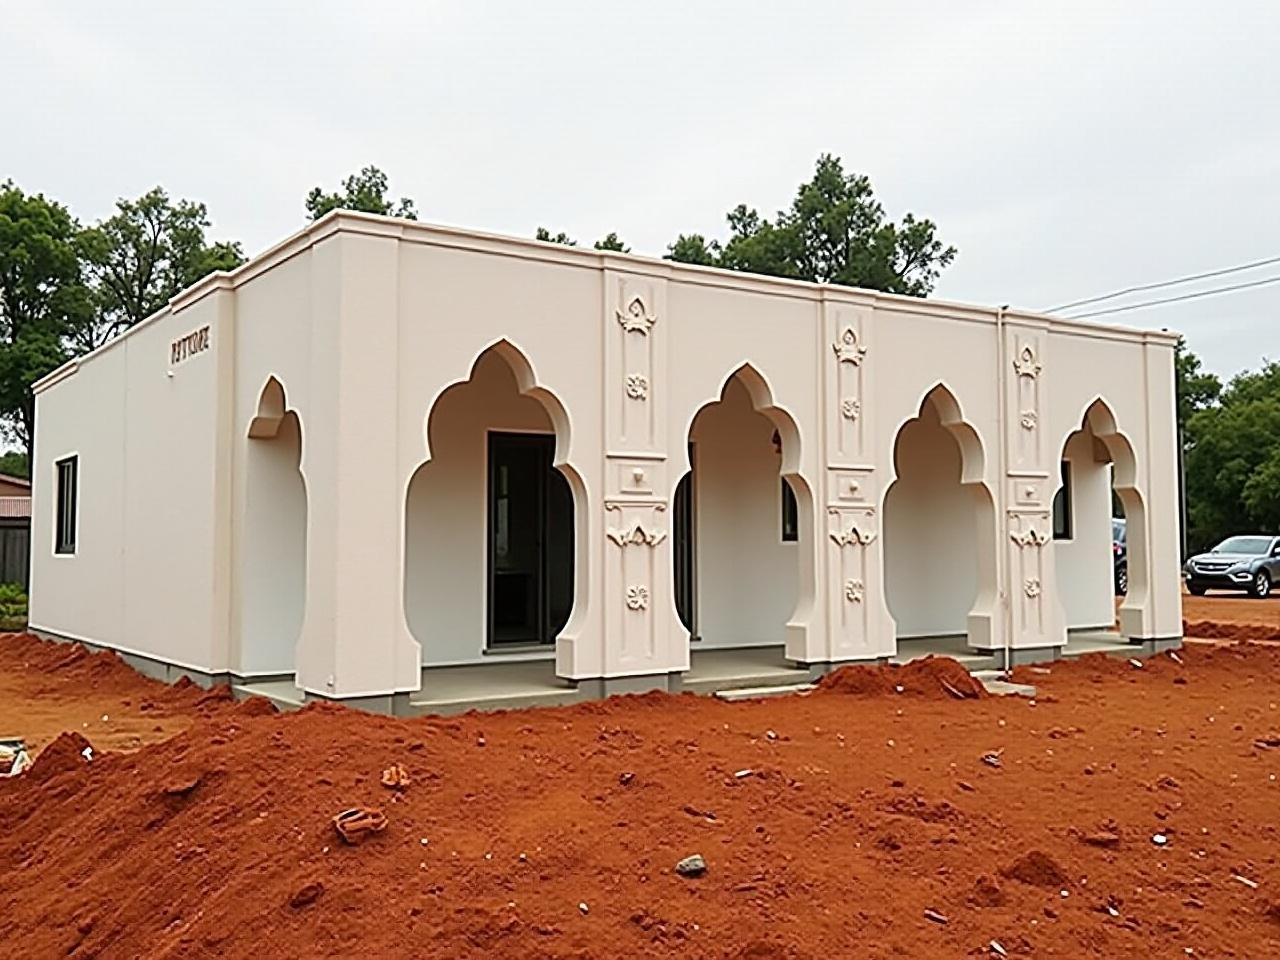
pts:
[1085, 561]
[930, 531]
[142, 578]
[446, 513]
[747, 576]
[368, 321]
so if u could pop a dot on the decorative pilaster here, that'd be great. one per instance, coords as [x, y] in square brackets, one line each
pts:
[857, 621]
[642, 633]
[1029, 576]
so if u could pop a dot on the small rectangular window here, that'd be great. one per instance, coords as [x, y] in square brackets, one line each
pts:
[790, 514]
[68, 494]
[1062, 506]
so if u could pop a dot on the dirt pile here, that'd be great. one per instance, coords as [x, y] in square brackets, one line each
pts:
[1250, 632]
[864, 826]
[937, 677]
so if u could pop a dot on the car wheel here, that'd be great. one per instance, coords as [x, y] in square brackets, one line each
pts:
[1260, 588]
[1197, 590]
[1122, 579]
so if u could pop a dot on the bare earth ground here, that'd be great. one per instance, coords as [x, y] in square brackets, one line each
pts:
[1129, 811]
[1231, 608]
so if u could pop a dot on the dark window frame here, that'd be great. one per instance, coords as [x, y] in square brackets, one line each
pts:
[67, 505]
[1063, 515]
[790, 514]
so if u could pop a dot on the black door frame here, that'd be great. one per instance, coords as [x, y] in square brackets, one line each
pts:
[685, 546]
[544, 629]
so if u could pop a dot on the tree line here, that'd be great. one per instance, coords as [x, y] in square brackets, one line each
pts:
[65, 289]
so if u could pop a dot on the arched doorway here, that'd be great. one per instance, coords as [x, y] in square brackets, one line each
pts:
[939, 530]
[743, 525]
[1099, 520]
[490, 542]
[274, 538]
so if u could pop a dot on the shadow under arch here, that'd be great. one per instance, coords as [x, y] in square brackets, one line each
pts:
[521, 383]
[786, 441]
[924, 516]
[1112, 445]
[273, 553]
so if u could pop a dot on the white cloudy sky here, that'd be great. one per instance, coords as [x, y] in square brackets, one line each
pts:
[1067, 148]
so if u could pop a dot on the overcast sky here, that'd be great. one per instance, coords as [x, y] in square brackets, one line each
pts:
[1068, 148]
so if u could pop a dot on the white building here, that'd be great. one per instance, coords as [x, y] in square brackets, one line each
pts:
[384, 453]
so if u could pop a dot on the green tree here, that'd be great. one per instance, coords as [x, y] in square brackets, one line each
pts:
[42, 300]
[546, 236]
[14, 463]
[1196, 389]
[835, 231]
[365, 192]
[1233, 460]
[141, 256]
[694, 248]
[611, 242]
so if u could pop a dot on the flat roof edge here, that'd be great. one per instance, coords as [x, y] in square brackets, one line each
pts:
[354, 222]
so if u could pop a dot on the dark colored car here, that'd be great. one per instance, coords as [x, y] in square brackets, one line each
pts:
[1120, 556]
[1248, 563]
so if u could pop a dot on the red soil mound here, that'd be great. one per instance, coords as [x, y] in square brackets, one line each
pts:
[833, 826]
[927, 677]
[1211, 630]
[66, 754]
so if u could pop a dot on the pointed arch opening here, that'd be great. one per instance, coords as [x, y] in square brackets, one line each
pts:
[743, 523]
[494, 539]
[274, 538]
[940, 530]
[1099, 528]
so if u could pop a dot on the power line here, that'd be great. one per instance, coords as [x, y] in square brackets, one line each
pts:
[1165, 283]
[1185, 296]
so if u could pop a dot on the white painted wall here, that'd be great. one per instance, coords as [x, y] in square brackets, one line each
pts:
[931, 533]
[143, 577]
[446, 513]
[1084, 563]
[274, 551]
[366, 321]
[747, 577]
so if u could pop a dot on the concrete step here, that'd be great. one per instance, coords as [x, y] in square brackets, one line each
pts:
[506, 700]
[755, 693]
[748, 679]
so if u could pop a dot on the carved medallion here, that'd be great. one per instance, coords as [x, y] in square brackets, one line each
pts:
[853, 590]
[637, 386]
[847, 348]
[1026, 362]
[637, 597]
[850, 407]
[1030, 537]
[635, 316]
[1031, 587]
[1029, 420]
[636, 535]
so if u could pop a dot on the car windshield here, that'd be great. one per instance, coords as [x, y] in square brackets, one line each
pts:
[1252, 545]
[1117, 531]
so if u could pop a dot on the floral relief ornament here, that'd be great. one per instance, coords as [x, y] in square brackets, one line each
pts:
[1026, 363]
[1029, 420]
[637, 386]
[853, 590]
[1031, 587]
[637, 597]
[847, 348]
[635, 316]
[850, 407]
[636, 535]
[852, 535]
[1031, 537]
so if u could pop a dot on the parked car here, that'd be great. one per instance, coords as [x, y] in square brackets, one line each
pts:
[1250, 563]
[1120, 556]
